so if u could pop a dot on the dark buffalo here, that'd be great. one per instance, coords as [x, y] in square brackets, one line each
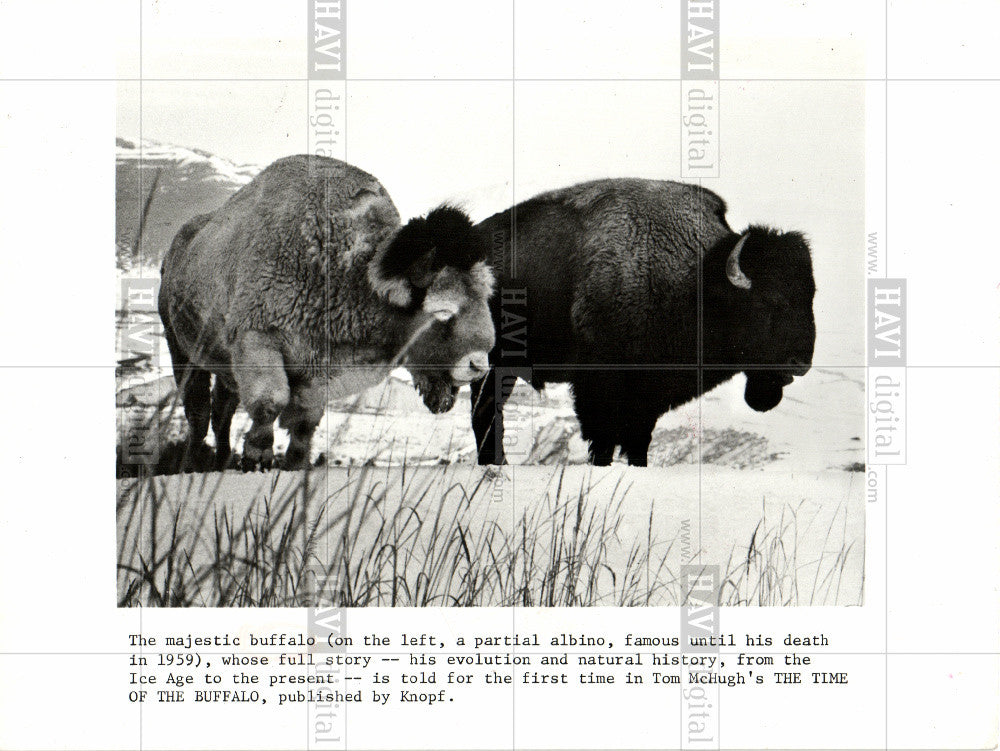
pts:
[639, 294]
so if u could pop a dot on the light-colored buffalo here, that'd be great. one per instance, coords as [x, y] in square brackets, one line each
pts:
[304, 287]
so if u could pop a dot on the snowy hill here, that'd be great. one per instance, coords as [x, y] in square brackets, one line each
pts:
[191, 181]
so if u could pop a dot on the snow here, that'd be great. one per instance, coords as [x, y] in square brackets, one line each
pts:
[221, 170]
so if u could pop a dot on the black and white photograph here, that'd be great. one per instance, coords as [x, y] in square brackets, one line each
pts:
[436, 361]
[493, 375]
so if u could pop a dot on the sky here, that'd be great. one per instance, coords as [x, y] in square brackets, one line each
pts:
[792, 151]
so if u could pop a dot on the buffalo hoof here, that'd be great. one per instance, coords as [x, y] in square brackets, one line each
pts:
[602, 457]
[256, 460]
[294, 461]
[199, 458]
[224, 460]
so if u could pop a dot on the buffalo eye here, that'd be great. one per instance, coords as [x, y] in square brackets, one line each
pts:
[444, 314]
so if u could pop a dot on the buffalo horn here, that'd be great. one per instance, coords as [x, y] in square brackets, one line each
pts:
[733, 270]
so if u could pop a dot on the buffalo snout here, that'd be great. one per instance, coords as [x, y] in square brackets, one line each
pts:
[471, 368]
[798, 367]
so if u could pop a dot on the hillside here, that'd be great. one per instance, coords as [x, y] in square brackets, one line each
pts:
[190, 182]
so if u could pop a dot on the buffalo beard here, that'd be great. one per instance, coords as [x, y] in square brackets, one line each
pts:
[438, 394]
[764, 390]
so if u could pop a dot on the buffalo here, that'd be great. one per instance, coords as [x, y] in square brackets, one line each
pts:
[638, 294]
[304, 287]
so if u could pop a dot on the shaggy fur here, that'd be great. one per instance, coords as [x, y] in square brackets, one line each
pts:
[444, 238]
[619, 287]
[303, 288]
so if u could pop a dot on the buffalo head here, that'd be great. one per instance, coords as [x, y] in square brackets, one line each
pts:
[759, 292]
[433, 272]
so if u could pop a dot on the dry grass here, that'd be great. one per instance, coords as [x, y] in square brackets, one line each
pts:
[771, 572]
[398, 538]
[355, 545]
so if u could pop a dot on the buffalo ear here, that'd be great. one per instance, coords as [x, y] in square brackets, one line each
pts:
[409, 262]
[403, 265]
[420, 273]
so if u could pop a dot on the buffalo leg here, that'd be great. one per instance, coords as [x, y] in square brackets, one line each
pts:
[224, 403]
[597, 412]
[194, 385]
[304, 411]
[259, 369]
[601, 451]
[487, 419]
[197, 406]
[636, 438]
